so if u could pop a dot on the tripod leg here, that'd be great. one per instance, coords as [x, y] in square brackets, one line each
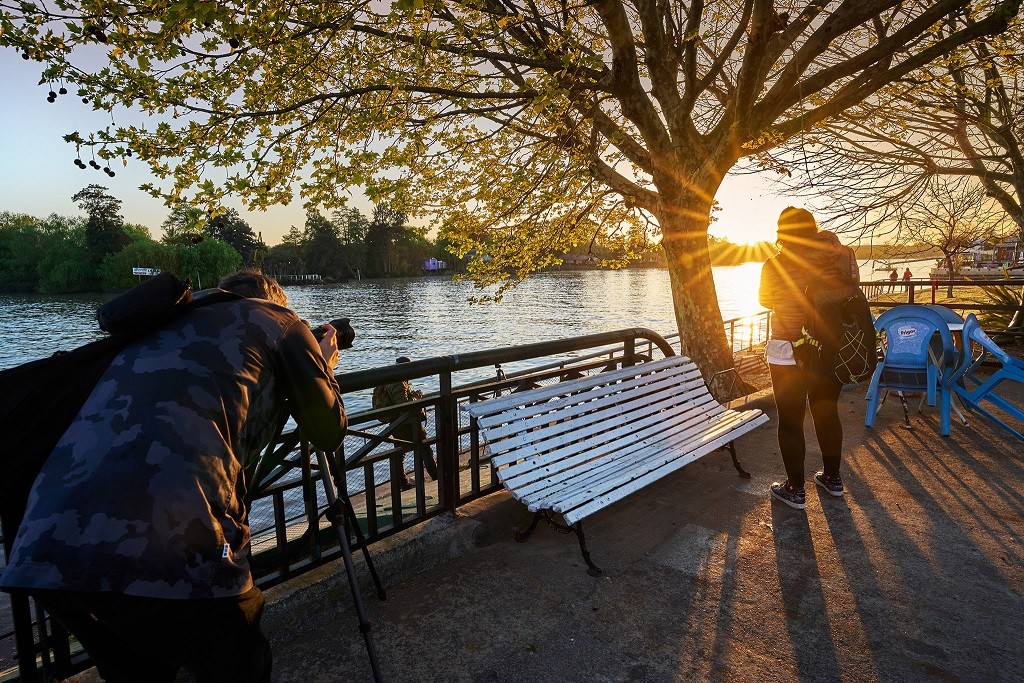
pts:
[381, 595]
[336, 514]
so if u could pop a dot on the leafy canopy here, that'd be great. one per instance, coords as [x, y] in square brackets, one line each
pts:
[529, 126]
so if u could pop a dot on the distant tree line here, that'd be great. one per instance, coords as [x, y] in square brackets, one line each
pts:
[350, 245]
[98, 251]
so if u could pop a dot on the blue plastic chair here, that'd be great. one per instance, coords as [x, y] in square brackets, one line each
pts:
[947, 314]
[984, 389]
[919, 356]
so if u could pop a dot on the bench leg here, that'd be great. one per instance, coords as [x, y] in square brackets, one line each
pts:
[521, 536]
[731, 446]
[592, 568]
[576, 528]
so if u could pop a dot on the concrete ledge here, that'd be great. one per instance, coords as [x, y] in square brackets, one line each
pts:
[485, 521]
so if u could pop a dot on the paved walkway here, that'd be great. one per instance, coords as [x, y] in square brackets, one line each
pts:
[916, 575]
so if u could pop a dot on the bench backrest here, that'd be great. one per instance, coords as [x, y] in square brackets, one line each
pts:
[582, 419]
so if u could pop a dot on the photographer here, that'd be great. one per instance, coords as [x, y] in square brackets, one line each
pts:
[136, 533]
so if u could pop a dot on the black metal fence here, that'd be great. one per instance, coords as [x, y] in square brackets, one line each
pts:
[290, 534]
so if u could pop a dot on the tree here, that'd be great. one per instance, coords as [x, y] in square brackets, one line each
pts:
[116, 271]
[962, 116]
[66, 266]
[184, 225]
[953, 217]
[21, 249]
[228, 226]
[104, 230]
[284, 259]
[382, 238]
[322, 247]
[524, 127]
[287, 258]
[206, 262]
[352, 227]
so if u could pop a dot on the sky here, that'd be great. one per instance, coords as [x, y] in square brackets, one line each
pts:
[39, 176]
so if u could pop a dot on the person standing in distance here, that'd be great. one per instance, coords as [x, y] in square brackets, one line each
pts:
[136, 532]
[394, 394]
[804, 251]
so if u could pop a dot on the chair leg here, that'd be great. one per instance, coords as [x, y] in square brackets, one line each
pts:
[869, 415]
[906, 410]
[944, 410]
[959, 413]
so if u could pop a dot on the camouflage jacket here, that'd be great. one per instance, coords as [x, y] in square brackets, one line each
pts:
[145, 492]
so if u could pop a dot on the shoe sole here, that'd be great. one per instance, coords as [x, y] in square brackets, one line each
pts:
[795, 506]
[837, 494]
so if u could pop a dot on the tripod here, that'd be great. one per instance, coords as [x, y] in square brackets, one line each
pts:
[340, 513]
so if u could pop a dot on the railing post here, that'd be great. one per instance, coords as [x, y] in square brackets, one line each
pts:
[629, 352]
[447, 447]
[24, 639]
[910, 293]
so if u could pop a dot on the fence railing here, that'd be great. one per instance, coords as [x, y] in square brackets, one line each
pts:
[926, 291]
[289, 531]
[290, 535]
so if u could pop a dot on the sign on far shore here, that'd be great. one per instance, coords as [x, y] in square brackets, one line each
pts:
[145, 271]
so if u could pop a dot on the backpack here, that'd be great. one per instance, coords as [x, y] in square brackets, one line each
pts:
[40, 399]
[838, 337]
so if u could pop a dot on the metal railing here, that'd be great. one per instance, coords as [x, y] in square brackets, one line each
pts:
[289, 533]
[925, 291]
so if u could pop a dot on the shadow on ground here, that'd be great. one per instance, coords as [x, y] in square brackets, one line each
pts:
[915, 575]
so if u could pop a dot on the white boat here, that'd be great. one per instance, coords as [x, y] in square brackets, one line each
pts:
[980, 271]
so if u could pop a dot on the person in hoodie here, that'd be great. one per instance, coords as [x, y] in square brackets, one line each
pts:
[136, 534]
[804, 251]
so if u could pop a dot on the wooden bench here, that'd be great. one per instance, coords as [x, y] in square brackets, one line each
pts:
[578, 446]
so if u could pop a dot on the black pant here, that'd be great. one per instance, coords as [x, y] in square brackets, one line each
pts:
[793, 389]
[412, 432]
[149, 639]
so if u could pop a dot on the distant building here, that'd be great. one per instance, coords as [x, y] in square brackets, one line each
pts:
[578, 260]
[433, 265]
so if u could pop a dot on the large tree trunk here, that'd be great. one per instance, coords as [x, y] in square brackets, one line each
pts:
[698, 317]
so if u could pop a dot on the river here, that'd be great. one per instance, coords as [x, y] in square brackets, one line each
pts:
[421, 317]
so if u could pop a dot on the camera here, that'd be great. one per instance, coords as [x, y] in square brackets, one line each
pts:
[346, 335]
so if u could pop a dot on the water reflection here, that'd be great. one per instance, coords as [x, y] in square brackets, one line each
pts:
[417, 317]
[34, 326]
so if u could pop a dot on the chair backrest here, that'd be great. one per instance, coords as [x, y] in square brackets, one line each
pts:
[947, 314]
[909, 329]
[974, 333]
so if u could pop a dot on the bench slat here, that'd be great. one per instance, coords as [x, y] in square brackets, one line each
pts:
[502, 403]
[511, 420]
[578, 422]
